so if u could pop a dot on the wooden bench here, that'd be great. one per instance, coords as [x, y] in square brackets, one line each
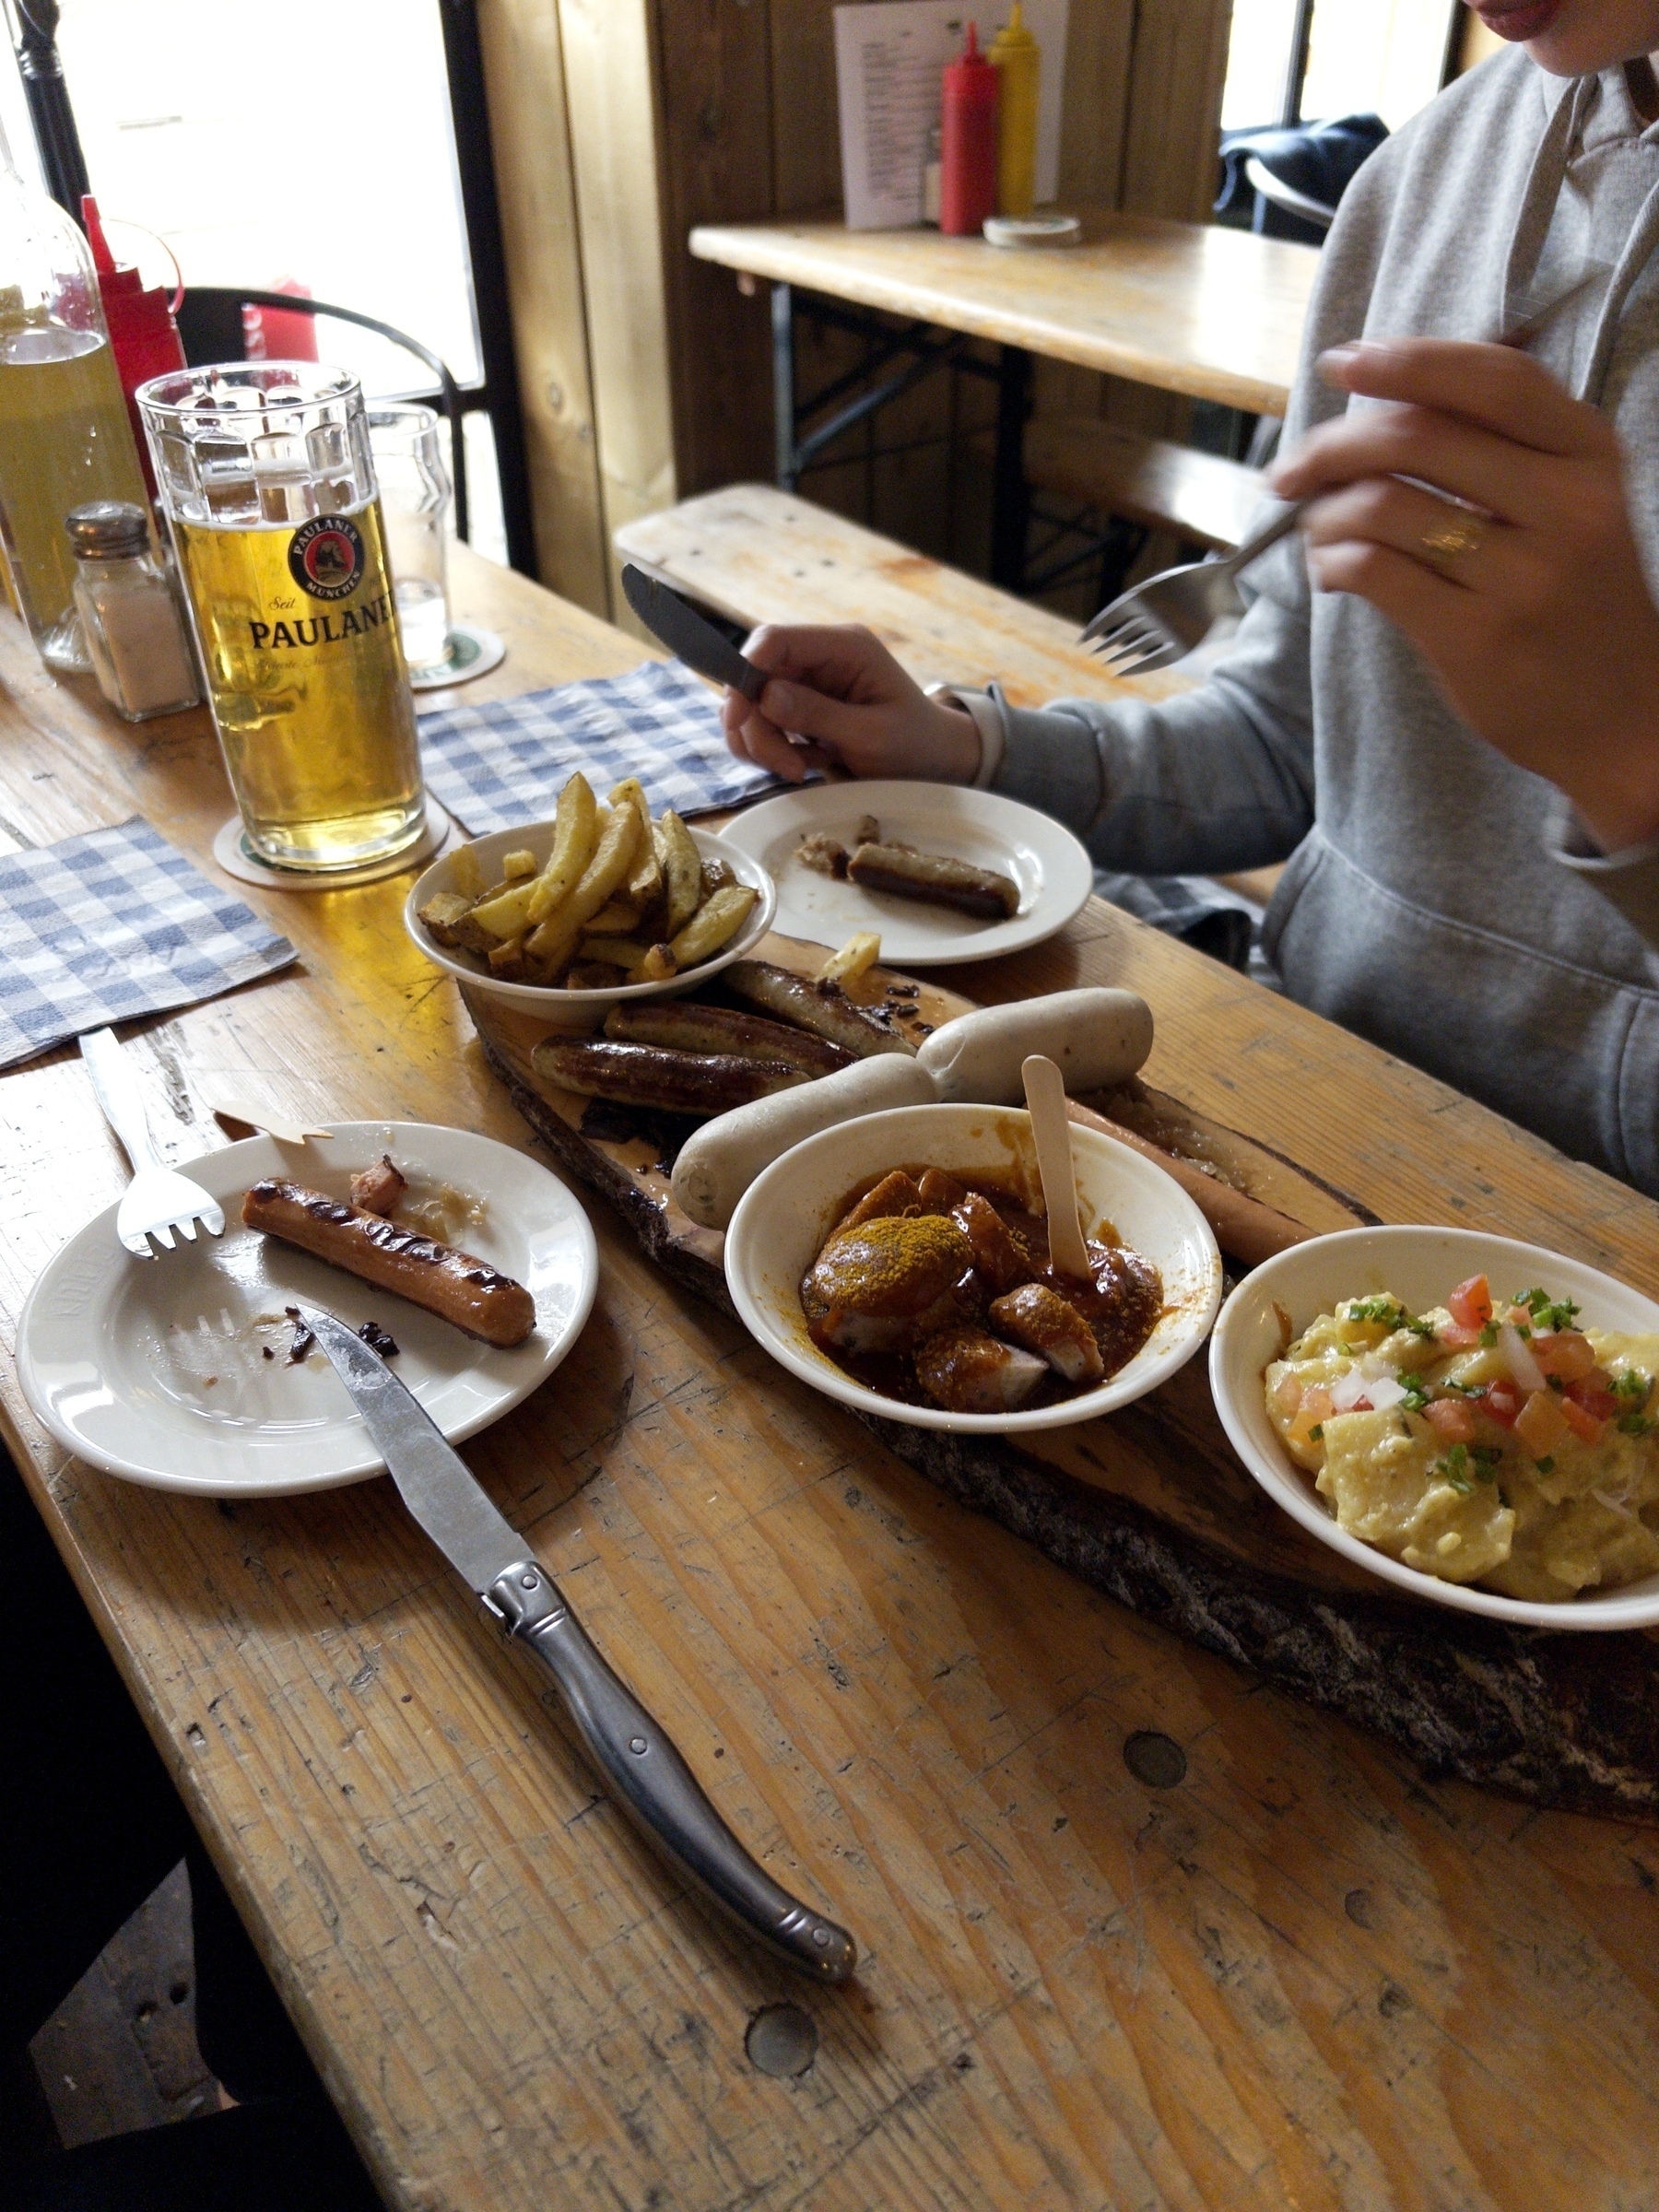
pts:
[755, 554]
[1204, 498]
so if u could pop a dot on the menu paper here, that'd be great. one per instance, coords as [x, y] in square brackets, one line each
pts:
[890, 58]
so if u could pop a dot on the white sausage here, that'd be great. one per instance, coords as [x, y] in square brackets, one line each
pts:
[719, 1161]
[1096, 1037]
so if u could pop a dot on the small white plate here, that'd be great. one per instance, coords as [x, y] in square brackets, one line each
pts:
[115, 1353]
[784, 1216]
[463, 866]
[1419, 1265]
[1053, 869]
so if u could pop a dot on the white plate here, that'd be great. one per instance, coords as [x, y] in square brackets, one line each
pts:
[575, 1010]
[786, 1214]
[1053, 869]
[1418, 1265]
[114, 1352]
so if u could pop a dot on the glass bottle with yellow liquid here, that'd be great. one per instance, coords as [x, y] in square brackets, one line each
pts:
[64, 435]
[266, 471]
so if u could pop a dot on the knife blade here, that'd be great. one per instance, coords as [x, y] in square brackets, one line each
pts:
[635, 1755]
[685, 632]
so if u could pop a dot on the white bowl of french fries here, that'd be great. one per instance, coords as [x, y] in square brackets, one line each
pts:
[601, 905]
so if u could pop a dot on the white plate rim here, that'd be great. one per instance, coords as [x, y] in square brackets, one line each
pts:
[387, 1135]
[1123, 1389]
[1067, 870]
[1291, 1490]
[541, 997]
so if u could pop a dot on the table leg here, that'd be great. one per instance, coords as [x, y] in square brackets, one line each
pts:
[784, 399]
[1010, 508]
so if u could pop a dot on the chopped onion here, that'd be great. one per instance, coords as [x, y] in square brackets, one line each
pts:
[1377, 1389]
[1518, 1358]
[1612, 1504]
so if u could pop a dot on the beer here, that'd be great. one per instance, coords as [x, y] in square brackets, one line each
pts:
[299, 636]
[269, 485]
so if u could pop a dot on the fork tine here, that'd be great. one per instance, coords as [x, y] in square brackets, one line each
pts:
[162, 1233]
[186, 1228]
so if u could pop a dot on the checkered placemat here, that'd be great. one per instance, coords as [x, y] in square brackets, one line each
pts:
[506, 760]
[112, 925]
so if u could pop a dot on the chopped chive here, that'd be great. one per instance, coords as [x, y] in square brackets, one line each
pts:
[1545, 1466]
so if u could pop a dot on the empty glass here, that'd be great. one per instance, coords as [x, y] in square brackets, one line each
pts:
[414, 500]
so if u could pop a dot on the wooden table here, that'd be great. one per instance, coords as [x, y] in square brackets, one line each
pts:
[1301, 1976]
[1192, 308]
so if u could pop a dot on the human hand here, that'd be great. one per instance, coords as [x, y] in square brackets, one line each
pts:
[1530, 602]
[838, 687]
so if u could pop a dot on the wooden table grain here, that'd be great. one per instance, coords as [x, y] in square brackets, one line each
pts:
[1186, 307]
[1300, 1976]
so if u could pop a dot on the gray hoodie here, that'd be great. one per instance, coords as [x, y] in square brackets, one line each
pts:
[1438, 898]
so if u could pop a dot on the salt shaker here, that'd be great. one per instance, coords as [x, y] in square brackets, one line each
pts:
[134, 626]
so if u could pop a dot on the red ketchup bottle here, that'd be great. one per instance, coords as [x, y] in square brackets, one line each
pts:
[968, 143]
[142, 334]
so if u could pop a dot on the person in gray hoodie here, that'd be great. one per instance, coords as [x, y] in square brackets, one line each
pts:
[1442, 706]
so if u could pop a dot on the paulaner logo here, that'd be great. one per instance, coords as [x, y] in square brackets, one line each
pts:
[326, 556]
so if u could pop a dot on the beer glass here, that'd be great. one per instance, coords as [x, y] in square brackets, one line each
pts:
[415, 503]
[266, 472]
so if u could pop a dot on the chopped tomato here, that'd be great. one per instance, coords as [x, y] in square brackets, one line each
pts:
[1470, 1305]
[1317, 1402]
[1542, 1423]
[1564, 1353]
[1581, 1422]
[1453, 1419]
[1456, 1337]
[1287, 1394]
[1591, 1394]
[1502, 1401]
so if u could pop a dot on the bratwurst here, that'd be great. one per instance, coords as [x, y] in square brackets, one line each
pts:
[453, 1285]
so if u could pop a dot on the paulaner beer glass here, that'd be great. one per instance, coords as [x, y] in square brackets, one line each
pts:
[266, 471]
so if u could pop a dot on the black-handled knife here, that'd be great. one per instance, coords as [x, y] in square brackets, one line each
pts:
[685, 632]
[636, 1757]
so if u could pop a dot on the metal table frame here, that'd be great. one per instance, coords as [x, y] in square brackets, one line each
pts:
[924, 350]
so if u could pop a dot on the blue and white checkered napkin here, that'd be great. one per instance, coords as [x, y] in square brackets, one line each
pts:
[112, 925]
[506, 761]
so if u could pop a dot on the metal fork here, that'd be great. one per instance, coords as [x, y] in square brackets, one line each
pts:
[1163, 619]
[157, 1201]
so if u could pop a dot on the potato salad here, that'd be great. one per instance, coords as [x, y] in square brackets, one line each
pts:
[1490, 1441]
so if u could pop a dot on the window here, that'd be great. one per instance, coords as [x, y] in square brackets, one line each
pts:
[1293, 59]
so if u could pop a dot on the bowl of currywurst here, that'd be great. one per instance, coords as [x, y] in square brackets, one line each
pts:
[900, 1262]
[1472, 1419]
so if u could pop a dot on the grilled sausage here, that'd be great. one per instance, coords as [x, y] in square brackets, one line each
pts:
[818, 1005]
[687, 1027]
[657, 1075]
[378, 1188]
[936, 879]
[453, 1285]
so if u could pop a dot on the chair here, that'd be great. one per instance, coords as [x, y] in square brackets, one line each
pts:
[211, 327]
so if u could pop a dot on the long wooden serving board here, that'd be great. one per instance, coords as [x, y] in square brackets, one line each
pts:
[1151, 1506]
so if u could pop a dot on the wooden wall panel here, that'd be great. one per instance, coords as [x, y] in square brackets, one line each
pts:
[615, 148]
[524, 81]
[714, 97]
[1174, 104]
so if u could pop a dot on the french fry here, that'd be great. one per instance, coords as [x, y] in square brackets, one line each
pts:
[514, 864]
[857, 955]
[555, 939]
[714, 924]
[507, 960]
[657, 966]
[682, 863]
[446, 916]
[615, 919]
[575, 834]
[530, 900]
[620, 952]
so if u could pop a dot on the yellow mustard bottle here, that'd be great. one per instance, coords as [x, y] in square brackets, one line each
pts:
[1019, 60]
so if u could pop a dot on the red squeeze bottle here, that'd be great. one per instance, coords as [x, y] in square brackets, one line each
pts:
[142, 334]
[968, 142]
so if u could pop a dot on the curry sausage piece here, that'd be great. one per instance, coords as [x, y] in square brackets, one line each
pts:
[456, 1285]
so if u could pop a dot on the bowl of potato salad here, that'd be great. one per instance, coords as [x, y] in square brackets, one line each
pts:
[1473, 1418]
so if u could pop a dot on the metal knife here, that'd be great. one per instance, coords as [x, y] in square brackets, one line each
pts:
[632, 1751]
[685, 632]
